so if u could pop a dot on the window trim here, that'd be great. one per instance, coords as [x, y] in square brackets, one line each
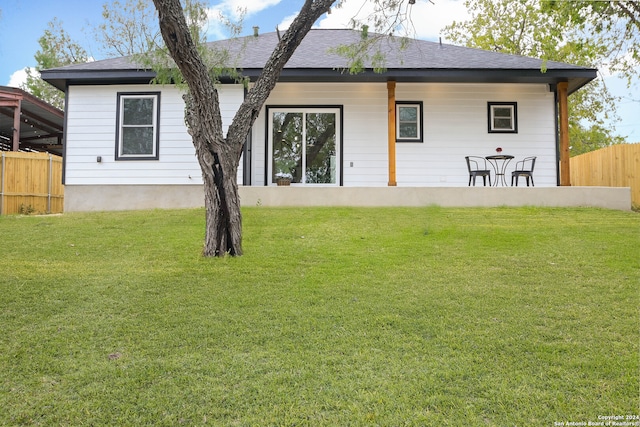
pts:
[420, 121]
[268, 142]
[121, 96]
[514, 116]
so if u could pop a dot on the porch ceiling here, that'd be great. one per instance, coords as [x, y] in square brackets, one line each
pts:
[41, 124]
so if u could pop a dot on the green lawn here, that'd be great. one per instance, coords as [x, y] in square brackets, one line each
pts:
[334, 317]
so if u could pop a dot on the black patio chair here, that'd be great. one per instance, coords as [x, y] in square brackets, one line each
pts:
[477, 166]
[524, 168]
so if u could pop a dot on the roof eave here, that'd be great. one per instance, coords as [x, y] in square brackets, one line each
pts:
[576, 78]
[63, 78]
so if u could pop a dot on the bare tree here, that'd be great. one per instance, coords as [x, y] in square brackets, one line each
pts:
[219, 155]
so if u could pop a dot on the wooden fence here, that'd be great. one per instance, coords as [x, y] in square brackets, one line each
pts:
[30, 183]
[614, 166]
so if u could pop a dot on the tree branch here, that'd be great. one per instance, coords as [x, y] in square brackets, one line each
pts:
[626, 9]
[258, 94]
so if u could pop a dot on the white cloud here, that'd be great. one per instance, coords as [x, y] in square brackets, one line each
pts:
[18, 78]
[286, 21]
[430, 19]
[426, 19]
[251, 6]
[233, 10]
[341, 16]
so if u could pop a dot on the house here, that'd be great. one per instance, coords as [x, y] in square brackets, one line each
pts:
[126, 145]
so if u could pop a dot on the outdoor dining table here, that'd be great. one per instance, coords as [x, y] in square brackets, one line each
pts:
[499, 162]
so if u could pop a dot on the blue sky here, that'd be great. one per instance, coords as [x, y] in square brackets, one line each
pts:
[22, 22]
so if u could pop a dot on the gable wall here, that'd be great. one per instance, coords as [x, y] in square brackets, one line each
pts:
[91, 132]
[455, 125]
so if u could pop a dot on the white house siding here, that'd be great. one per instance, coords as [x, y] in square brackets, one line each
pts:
[455, 125]
[364, 157]
[91, 133]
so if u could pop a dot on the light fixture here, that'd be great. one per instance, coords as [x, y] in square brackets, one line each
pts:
[412, 1]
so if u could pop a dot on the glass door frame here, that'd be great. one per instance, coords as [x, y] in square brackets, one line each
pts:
[304, 109]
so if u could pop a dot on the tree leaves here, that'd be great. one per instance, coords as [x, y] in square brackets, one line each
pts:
[575, 32]
[57, 49]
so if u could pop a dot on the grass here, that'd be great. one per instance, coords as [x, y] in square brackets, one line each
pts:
[422, 316]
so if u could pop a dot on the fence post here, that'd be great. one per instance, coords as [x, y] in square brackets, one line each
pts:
[49, 183]
[2, 186]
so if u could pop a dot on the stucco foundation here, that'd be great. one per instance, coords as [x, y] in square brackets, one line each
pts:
[83, 198]
[132, 197]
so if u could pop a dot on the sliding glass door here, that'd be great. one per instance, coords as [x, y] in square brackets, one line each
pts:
[304, 145]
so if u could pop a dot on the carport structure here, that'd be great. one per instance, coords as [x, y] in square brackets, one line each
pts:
[28, 123]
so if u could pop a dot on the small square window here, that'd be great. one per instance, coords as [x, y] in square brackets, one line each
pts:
[409, 122]
[503, 117]
[137, 126]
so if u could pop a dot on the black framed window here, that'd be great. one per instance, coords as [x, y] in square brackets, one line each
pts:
[503, 117]
[304, 144]
[409, 121]
[138, 117]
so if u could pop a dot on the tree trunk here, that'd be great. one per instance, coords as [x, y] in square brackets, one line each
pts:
[223, 231]
[219, 156]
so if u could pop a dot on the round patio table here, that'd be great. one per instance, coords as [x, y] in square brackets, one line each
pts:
[499, 163]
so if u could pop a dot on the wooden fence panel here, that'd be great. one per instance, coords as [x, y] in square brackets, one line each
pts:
[614, 166]
[30, 183]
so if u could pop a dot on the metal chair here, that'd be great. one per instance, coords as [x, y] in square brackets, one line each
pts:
[477, 166]
[524, 168]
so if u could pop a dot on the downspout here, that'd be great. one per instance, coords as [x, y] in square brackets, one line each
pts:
[246, 154]
[246, 166]
[266, 147]
[64, 135]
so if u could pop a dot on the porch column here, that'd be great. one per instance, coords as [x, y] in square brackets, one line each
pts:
[391, 114]
[563, 112]
[13, 101]
[16, 126]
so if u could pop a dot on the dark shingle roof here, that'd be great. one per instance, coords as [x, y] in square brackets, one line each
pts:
[313, 61]
[314, 52]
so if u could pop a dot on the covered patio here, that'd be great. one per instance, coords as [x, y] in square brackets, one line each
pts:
[28, 123]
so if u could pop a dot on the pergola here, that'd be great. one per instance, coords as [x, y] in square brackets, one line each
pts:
[28, 123]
